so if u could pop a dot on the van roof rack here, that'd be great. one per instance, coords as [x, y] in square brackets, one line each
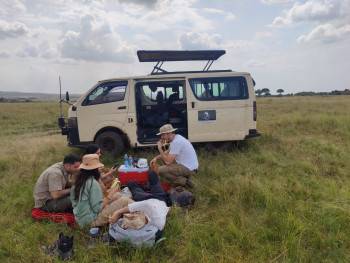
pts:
[160, 56]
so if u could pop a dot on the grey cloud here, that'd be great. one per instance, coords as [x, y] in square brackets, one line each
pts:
[95, 43]
[147, 3]
[12, 30]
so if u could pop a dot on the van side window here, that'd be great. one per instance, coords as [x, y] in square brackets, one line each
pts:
[168, 92]
[105, 93]
[225, 88]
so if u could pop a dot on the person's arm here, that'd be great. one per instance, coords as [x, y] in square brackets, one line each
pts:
[110, 172]
[56, 187]
[96, 197]
[60, 193]
[117, 214]
[165, 155]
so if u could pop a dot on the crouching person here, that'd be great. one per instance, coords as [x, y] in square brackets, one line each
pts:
[90, 208]
[51, 191]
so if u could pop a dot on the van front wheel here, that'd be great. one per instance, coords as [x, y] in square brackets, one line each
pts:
[110, 142]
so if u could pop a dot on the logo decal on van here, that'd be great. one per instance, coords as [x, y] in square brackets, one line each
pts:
[207, 115]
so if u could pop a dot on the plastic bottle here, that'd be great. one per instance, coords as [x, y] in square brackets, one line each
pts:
[131, 162]
[94, 232]
[126, 161]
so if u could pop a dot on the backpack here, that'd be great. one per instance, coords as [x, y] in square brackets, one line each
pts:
[145, 236]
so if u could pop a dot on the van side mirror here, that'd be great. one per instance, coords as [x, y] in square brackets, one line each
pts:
[67, 96]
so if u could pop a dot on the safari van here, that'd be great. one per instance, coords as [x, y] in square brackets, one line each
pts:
[204, 106]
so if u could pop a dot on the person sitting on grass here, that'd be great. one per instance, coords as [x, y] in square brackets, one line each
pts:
[106, 174]
[51, 191]
[87, 197]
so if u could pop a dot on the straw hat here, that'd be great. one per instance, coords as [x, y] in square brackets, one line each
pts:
[167, 128]
[90, 162]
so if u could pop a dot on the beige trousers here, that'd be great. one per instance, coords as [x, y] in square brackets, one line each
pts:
[102, 218]
[175, 174]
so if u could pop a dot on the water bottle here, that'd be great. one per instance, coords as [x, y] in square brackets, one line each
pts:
[126, 161]
[94, 232]
[131, 161]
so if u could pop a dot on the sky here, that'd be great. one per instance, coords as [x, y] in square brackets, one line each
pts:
[285, 44]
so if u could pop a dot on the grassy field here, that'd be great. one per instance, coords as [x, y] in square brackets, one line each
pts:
[283, 197]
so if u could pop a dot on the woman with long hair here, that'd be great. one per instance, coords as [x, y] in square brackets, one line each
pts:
[106, 177]
[86, 194]
[87, 197]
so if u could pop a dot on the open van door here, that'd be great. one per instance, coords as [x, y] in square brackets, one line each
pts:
[218, 108]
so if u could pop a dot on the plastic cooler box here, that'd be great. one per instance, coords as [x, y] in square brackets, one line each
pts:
[132, 174]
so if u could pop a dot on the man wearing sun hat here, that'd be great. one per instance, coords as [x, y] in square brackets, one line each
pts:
[180, 160]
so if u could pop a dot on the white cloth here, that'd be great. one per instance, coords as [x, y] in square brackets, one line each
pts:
[184, 152]
[154, 209]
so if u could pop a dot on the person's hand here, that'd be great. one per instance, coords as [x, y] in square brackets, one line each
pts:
[160, 145]
[154, 160]
[113, 170]
[114, 218]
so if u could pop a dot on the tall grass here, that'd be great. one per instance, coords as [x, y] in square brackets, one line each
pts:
[283, 197]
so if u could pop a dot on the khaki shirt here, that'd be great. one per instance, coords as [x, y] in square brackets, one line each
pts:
[54, 178]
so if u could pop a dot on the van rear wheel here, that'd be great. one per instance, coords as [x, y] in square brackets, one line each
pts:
[110, 142]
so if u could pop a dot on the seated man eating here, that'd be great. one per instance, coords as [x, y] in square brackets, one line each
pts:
[180, 160]
[51, 191]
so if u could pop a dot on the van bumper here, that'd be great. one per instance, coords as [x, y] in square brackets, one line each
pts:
[70, 129]
[252, 134]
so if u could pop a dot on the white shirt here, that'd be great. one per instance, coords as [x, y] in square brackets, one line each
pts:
[184, 152]
[154, 209]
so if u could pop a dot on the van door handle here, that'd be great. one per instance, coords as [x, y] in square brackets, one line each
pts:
[192, 104]
[121, 107]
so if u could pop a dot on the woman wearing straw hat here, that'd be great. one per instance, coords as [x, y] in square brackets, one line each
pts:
[87, 197]
[180, 160]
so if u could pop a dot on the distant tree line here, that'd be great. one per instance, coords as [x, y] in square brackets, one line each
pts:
[16, 100]
[266, 92]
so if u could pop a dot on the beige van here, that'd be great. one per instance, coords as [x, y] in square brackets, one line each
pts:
[205, 106]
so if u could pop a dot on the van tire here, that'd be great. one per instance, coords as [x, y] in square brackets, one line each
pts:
[110, 142]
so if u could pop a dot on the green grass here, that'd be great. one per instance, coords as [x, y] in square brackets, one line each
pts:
[283, 197]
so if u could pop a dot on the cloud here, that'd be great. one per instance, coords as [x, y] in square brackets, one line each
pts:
[255, 64]
[10, 7]
[194, 40]
[12, 30]
[272, 2]
[146, 3]
[326, 33]
[95, 42]
[4, 54]
[323, 10]
[28, 51]
[214, 11]
[263, 34]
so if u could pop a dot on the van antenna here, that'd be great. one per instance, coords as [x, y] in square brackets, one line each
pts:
[59, 80]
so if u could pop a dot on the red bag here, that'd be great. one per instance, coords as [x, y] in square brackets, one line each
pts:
[66, 218]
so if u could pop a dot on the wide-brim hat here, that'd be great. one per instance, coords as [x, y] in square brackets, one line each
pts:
[167, 128]
[90, 162]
